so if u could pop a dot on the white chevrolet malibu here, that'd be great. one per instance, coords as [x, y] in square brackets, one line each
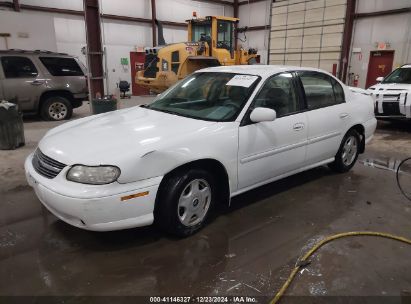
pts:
[219, 132]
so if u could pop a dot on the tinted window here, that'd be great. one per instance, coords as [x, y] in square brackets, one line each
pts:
[18, 67]
[338, 91]
[62, 66]
[321, 90]
[279, 94]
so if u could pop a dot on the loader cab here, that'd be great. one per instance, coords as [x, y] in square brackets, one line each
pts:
[218, 32]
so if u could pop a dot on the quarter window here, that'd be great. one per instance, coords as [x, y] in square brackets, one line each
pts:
[58, 66]
[18, 67]
[279, 94]
[321, 90]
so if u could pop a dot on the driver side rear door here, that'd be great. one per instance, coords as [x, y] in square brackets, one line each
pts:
[271, 149]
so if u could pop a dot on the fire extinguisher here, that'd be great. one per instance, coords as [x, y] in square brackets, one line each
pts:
[356, 78]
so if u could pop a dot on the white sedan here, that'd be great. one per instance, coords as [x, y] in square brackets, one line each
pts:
[219, 132]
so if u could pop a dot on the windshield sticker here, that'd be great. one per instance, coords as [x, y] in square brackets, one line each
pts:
[242, 80]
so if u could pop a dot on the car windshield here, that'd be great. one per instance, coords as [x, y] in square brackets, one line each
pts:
[207, 96]
[401, 75]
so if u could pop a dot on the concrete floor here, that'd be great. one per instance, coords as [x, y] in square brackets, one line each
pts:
[249, 250]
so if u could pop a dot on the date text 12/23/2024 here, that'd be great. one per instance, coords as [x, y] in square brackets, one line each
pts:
[207, 299]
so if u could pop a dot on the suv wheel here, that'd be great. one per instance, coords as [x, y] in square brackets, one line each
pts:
[56, 108]
[348, 152]
[185, 201]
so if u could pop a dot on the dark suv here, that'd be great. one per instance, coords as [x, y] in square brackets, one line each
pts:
[48, 83]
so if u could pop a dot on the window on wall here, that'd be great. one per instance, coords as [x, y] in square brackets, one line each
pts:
[321, 90]
[18, 67]
[224, 35]
[279, 94]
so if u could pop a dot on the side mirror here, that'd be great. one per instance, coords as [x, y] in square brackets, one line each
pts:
[379, 79]
[263, 114]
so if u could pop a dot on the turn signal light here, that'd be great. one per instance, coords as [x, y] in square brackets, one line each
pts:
[127, 197]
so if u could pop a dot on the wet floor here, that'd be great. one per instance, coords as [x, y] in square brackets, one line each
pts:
[247, 250]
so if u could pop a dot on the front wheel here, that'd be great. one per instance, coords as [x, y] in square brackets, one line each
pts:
[348, 153]
[252, 61]
[185, 201]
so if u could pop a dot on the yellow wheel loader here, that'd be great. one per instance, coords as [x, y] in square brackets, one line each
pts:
[211, 43]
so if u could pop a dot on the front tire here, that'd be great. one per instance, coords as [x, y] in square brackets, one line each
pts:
[348, 152]
[56, 108]
[184, 202]
[252, 61]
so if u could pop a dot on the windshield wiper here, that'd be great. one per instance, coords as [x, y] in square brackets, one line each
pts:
[162, 110]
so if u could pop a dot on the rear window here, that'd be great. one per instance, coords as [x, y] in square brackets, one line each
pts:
[58, 66]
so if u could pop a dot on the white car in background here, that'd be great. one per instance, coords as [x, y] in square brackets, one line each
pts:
[219, 132]
[392, 95]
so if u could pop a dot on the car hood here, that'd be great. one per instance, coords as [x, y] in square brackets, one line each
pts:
[111, 137]
[391, 87]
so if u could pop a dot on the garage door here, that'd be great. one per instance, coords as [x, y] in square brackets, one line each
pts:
[307, 32]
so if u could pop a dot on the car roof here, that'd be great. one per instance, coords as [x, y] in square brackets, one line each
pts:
[408, 65]
[258, 69]
[32, 52]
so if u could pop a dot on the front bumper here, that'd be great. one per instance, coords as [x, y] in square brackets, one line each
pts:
[392, 105]
[97, 208]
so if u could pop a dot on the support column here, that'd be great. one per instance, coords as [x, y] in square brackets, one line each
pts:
[16, 5]
[94, 47]
[347, 36]
[235, 6]
[153, 21]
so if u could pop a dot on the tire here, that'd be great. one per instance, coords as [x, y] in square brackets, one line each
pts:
[345, 160]
[185, 201]
[252, 61]
[56, 108]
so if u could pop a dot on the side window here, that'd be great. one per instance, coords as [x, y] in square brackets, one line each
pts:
[18, 67]
[279, 94]
[338, 91]
[321, 90]
[224, 35]
[60, 66]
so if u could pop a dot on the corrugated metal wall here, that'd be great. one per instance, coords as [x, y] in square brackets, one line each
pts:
[307, 32]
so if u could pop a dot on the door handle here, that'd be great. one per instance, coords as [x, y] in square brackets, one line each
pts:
[37, 82]
[298, 126]
[343, 115]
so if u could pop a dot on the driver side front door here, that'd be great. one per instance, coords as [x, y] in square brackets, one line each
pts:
[271, 149]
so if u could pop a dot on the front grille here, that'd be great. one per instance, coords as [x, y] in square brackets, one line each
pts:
[150, 66]
[45, 165]
[391, 108]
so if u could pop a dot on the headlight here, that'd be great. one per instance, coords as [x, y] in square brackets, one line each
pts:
[99, 175]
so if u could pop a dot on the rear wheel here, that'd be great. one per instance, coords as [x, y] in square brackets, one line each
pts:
[185, 201]
[56, 108]
[348, 153]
